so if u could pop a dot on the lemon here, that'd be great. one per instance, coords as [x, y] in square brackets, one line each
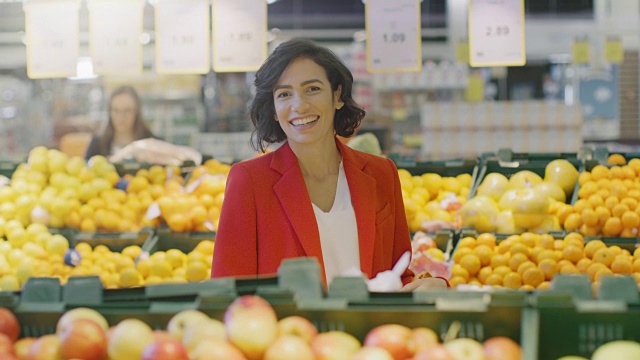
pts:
[34, 250]
[196, 271]
[195, 256]
[124, 262]
[15, 257]
[175, 257]
[151, 280]
[83, 248]
[24, 271]
[9, 283]
[129, 277]
[205, 247]
[132, 251]
[17, 237]
[58, 244]
[5, 247]
[158, 256]
[180, 272]
[161, 268]
[144, 268]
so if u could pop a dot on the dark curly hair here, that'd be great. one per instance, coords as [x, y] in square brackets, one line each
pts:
[262, 110]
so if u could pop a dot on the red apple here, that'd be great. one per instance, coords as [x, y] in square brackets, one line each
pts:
[165, 347]
[81, 313]
[201, 330]
[371, 353]
[45, 348]
[84, 339]
[6, 345]
[501, 348]
[424, 337]
[9, 324]
[434, 352]
[298, 326]
[396, 339]
[183, 320]
[289, 347]
[465, 349]
[22, 346]
[216, 349]
[252, 325]
[334, 345]
[129, 339]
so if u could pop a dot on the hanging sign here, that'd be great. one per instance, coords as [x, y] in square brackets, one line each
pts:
[239, 35]
[52, 38]
[581, 51]
[394, 35]
[115, 27]
[613, 50]
[496, 33]
[182, 36]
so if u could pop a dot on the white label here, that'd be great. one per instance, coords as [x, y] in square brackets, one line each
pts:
[239, 34]
[153, 211]
[496, 33]
[393, 35]
[115, 28]
[52, 32]
[182, 36]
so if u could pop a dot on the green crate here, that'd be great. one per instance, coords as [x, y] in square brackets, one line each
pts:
[132, 167]
[506, 154]
[115, 241]
[7, 168]
[183, 241]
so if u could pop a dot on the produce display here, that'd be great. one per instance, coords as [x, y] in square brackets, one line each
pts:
[530, 261]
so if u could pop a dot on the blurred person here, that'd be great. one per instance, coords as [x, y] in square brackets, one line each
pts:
[313, 196]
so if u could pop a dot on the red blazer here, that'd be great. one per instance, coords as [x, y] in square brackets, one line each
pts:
[267, 215]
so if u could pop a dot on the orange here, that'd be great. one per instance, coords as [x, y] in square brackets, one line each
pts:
[603, 214]
[564, 262]
[583, 264]
[563, 212]
[636, 253]
[535, 252]
[498, 260]
[636, 266]
[593, 269]
[137, 184]
[527, 288]
[545, 285]
[468, 241]
[602, 272]
[587, 189]
[599, 172]
[574, 238]
[592, 246]
[603, 256]
[611, 201]
[520, 248]
[512, 280]
[635, 165]
[589, 217]
[474, 281]
[460, 253]
[584, 177]
[573, 253]
[546, 241]
[530, 239]
[505, 246]
[533, 276]
[504, 270]
[558, 245]
[633, 194]
[547, 254]
[459, 271]
[630, 219]
[622, 266]
[630, 201]
[604, 193]
[617, 159]
[613, 227]
[471, 263]
[456, 280]
[615, 172]
[615, 250]
[572, 222]
[619, 209]
[516, 260]
[629, 232]
[486, 239]
[484, 253]
[580, 205]
[494, 280]
[569, 269]
[549, 267]
[595, 200]
[525, 266]
[619, 189]
[484, 273]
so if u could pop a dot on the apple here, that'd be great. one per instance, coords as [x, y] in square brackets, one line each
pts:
[165, 347]
[9, 324]
[501, 348]
[298, 326]
[396, 339]
[80, 313]
[182, 320]
[434, 352]
[203, 329]
[289, 347]
[465, 349]
[21, 347]
[83, 338]
[371, 353]
[216, 349]
[251, 324]
[45, 348]
[334, 345]
[618, 349]
[423, 337]
[129, 339]
[6, 345]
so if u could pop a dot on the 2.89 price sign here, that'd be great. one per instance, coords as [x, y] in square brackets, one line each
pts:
[496, 33]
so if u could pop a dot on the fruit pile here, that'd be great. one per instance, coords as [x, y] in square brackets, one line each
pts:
[608, 202]
[433, 197]
[251, 330]
[523, 202]
[530, 261]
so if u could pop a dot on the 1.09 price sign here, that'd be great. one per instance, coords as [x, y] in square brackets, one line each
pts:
[496, 33]
[393, 35]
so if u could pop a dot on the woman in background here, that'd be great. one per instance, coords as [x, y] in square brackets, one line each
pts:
[124, 125]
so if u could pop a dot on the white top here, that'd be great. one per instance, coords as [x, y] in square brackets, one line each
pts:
[339, 232]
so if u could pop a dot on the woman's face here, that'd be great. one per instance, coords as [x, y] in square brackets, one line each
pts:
[123, 113]
[305, 103]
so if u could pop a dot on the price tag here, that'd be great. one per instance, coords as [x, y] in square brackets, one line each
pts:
[394, 35]
[52, 32]
[115, 27]
[496, 33]
[613, 50]
[182, 37]
[239, 35]
[581, 51]
[153, 211]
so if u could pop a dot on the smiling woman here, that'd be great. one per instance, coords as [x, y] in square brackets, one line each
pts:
[313, 196]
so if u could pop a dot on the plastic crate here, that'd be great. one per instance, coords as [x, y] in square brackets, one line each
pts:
[8, 167]
[116, 241]
[183, 241]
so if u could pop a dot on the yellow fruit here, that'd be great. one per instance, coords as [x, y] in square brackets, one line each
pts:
[563, 173]
[616, 159]
[481, 213]
[161, 269]
[129, 277]
[552, 190]
[493, 186]
[197, 271]
[533, 276]
[471, 263]
[524, 179]
[177, 258]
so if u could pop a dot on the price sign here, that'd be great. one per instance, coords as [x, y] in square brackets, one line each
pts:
[613, 50]
[394, 40]
[581, 51]
[239, 34]
[182, 37]
[496, 33]
[52, 36]
[115, 27]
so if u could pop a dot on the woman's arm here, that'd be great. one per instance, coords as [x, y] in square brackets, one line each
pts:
[235, 251]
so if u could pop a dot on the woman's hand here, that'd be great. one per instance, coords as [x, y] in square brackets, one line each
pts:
[425, 284]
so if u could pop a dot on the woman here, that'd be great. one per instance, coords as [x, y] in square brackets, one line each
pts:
[125, 124]
[313, 196]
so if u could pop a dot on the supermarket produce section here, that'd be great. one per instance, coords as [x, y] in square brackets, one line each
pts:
[102, 260]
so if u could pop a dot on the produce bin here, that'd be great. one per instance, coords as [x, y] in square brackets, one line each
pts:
[8, 167]
[115, 241]
[183, 241]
